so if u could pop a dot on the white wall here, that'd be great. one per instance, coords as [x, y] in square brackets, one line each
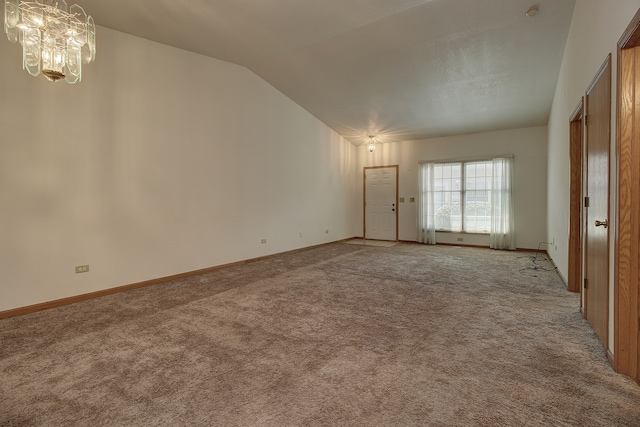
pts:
[529, 147]
[596, 27]
[160, 162]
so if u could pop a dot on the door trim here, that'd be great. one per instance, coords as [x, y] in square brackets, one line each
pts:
[627, 231]
[364, 197]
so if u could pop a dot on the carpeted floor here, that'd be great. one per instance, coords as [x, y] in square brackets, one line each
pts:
[369, 242]
[337, 335]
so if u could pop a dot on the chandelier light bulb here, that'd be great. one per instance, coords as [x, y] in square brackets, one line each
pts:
[56, 39]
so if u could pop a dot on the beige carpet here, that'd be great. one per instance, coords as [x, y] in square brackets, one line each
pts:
[368, 242]
[337, 335]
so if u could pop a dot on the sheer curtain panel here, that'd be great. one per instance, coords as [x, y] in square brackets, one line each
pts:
[426, 206]
[502, 220]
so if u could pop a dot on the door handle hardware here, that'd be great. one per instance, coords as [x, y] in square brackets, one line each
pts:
[604, 223]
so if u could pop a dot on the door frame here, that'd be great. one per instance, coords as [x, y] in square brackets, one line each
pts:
[576, 150]
[364, 197]
[627, 232]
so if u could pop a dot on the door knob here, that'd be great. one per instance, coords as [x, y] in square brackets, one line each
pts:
[604, 223]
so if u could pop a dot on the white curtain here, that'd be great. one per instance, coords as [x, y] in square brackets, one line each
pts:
[502, 221]
[426, 210]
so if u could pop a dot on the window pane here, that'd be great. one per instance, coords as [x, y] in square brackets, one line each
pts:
[477, 200]
[447, 196]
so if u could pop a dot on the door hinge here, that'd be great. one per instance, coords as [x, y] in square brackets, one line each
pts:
[586, 202]
[586, 120]
[585, 283]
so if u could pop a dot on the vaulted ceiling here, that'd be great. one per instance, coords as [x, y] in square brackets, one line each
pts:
[401, 69]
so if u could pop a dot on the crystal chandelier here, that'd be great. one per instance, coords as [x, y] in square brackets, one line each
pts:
[56, 39]
[372, 143]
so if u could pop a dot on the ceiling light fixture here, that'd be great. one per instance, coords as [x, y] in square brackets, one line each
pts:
[533, 11]
[56, 39]
[372, 143]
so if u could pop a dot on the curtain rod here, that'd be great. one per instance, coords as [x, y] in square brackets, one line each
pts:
[467, 159]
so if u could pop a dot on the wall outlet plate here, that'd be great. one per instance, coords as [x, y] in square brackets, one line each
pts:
[82, 269]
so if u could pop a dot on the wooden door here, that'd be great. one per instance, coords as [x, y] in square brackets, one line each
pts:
[627, 267]
[596, 192]
[380, 203]
[576, 148]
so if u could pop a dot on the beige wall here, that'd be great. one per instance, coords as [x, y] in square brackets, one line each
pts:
[530, 171]
[160, 162]
[596, 27]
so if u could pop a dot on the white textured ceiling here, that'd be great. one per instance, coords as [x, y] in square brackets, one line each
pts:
[402, 69]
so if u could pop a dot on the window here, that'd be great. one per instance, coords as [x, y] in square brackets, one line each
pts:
[470, 197]
[447, 191]
[462, 196]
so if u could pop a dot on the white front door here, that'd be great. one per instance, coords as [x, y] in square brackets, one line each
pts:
[380, 203]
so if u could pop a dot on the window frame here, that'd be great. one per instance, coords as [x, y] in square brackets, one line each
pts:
[462, 192]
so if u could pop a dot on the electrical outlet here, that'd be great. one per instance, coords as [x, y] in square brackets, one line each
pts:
[263, 241]
[82, 269]
[412, 199]
[401, 199]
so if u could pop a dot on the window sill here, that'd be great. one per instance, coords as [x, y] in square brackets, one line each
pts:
[478, 233]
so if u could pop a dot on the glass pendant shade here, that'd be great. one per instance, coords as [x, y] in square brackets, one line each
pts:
[372, 144]
[56, 39]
